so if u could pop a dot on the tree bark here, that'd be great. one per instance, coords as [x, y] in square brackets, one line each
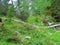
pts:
[18, 8]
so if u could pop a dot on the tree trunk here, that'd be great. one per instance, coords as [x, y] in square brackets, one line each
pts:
[18, 8]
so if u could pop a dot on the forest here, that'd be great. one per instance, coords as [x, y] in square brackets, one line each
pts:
[29, 22]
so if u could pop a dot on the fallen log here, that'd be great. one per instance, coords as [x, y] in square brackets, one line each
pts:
[24, 23]
[54, 26]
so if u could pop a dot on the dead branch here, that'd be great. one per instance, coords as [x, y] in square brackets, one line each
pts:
[24, 23]
[54, 26]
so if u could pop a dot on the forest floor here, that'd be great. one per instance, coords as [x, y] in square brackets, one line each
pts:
[13, 33]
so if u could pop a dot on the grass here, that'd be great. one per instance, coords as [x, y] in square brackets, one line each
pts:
[43, 36]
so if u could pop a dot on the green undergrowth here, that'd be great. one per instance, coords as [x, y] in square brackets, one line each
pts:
[23, 35]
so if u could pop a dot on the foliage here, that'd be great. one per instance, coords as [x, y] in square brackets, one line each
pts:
[43, 36]
[33, 12]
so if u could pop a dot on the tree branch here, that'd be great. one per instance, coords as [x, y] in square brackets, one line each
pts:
[54, 26]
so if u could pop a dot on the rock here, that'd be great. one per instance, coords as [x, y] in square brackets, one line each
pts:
[50, 23]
